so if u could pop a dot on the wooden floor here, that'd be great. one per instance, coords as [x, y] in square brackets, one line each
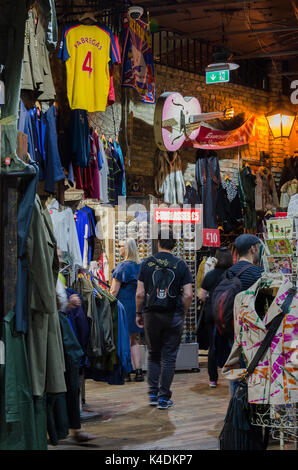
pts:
[127, 422]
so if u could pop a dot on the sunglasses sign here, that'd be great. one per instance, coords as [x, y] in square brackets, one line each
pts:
[170, 215]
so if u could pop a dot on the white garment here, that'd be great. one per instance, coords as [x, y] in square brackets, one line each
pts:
[61, 295]
[103, 176]
[86, 248]
[65, 231]
[2, 93]
[209, 265]
[106, 268]
[173, 188]
[293, 206]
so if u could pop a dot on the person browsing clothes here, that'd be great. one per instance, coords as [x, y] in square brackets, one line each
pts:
[248, 248]
[124, 286]
[164, 295]
[211, 280]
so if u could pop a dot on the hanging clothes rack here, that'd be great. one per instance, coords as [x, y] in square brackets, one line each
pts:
[95, 277]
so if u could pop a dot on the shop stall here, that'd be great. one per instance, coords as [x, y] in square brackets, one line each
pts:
[66, 206]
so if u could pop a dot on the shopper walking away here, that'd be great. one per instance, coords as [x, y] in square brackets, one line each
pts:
[248, 248]
[164, 293]
[124, 286]
[211, 280]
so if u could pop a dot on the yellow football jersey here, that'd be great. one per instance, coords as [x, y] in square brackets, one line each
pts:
[87, 51]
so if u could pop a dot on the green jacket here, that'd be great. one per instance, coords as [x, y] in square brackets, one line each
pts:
[36, 74]
[23, 418]
[45, 348]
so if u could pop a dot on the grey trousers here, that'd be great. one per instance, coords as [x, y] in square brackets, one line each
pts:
[163, 336]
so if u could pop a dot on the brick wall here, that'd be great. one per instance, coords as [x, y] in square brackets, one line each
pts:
[246, 101]
[139, 118]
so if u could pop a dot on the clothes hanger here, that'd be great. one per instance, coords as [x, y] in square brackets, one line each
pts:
[49, 199]
[89, 16]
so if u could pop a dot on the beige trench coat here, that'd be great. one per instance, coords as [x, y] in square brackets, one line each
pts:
[275, 379]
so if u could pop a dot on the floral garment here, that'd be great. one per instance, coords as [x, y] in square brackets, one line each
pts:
[275, 379]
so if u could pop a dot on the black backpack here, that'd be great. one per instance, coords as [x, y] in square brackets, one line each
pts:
[223, 302]
[163, 294]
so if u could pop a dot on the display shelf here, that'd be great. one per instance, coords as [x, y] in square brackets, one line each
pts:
[137, 230]
[186, 249]
[281, 419]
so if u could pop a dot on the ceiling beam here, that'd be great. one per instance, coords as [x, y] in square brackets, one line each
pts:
[267, 54]
[160, 8]
[263, 31]
[278, 74]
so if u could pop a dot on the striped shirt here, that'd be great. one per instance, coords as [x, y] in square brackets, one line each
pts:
[249, 276]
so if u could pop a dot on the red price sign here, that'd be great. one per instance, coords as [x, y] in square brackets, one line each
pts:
[211, 237]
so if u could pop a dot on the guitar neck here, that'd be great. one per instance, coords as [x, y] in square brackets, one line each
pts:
[206, 117]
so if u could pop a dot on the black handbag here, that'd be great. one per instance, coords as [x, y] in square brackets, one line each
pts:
[238, 433]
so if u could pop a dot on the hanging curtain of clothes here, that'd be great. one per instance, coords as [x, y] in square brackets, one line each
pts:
[208, 182]
[169, 179]
[12, 22]
[265, 192]
[247, 185]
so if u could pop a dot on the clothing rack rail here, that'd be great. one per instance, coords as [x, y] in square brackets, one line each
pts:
[95, 277]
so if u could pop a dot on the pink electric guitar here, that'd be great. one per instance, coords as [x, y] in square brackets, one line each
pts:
[177, 118]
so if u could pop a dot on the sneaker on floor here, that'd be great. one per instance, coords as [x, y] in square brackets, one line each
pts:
[153, 400]
[212, 384]
[139, 377]
[164, 404]
[82, 436]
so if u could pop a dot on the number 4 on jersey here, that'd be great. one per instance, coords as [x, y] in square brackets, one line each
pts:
[87, 64]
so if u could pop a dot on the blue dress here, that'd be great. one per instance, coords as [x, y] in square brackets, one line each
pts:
[127, 273]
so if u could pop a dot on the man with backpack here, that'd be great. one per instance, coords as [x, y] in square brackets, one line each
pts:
[239, 277]
[248, 248]
[165, 294]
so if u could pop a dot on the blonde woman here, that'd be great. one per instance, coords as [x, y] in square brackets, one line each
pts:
[124, 286]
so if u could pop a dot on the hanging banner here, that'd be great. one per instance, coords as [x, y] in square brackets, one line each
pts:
[137, 59]
[210, 138]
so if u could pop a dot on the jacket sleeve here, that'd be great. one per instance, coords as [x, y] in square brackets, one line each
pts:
[40, 254]
[232, 369]
[274, 192]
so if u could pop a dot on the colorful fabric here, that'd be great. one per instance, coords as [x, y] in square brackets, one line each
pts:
[88, 51]
[137, 59]
[275, 379]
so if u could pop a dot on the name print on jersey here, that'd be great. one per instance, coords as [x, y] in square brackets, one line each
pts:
[88, 41]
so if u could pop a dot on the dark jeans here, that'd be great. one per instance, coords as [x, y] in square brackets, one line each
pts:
[212, 359]
[163, 336]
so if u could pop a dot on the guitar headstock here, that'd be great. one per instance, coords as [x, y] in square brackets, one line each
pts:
[229, 113]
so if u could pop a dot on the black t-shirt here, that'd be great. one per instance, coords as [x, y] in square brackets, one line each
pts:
[183, 276]
[211, 280]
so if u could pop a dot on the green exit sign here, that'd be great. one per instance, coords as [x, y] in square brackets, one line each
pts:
[219, 76]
